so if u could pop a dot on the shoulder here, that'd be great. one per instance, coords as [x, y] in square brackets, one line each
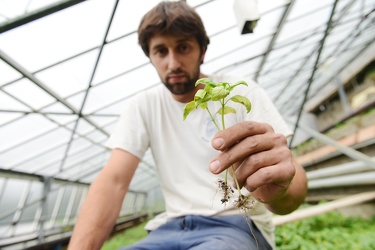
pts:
[252, 87]
[148, 95]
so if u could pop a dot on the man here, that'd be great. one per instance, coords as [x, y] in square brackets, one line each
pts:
[190, 156]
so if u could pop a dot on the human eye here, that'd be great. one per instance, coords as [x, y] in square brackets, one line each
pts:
[160, 51]
[184, 48]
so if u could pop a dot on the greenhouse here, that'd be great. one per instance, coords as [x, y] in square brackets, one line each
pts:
[68, 66]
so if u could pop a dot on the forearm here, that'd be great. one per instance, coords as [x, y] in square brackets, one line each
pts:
[98, 214]
[294, 196]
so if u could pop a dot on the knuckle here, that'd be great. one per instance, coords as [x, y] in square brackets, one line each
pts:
[291, 169]
[266, 175]
[250, 185]
[248, 126]
[228, 158]
[286, 152]
[280, 138]
[255, 161]
[252, 142]
[268, 127]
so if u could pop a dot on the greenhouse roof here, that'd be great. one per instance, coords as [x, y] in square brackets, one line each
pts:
[66, 68]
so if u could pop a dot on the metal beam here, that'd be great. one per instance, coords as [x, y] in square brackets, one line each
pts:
[4, 173]
[40, 84]
[352, 153]
[348, 168]
[317, 59]
[288, 8]
[32, 16]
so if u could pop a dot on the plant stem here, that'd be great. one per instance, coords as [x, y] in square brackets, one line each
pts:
[222, 113]
[235, 180]
[232, 167]
[213, 119]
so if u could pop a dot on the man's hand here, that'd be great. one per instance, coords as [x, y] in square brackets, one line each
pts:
[264, 164]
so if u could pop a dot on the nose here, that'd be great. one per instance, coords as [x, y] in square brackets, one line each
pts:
[173, 62]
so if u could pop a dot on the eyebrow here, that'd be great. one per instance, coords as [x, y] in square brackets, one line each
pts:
[182, 40]
[157, 47]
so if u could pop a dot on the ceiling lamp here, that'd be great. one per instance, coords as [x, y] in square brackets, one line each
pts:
[247, 15]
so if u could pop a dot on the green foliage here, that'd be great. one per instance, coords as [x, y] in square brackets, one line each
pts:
[330, 231]
[127, 237]
[216, 92]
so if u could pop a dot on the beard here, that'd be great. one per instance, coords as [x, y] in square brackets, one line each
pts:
[182, 87]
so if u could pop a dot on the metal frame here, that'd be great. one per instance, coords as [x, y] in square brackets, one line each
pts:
[137, 198]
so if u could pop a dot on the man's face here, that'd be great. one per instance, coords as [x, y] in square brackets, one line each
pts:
[177, 60]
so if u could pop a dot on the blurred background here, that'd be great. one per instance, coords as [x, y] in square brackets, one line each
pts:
[67, 66]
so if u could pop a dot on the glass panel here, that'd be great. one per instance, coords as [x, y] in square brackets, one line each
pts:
[75, 158]
[34, 148]
[311, 21]
[9, 103]
[118, 88]
[118, 57]
[243, 69]
[97, 136]
[128, 15]
[84, 127]
[103, 120]
[43, 161]
[7, 73]
[24, 129]
[308, 7]
[29, 93]
[58, 36]
[8, 117]
[10, 9]
[217, 16]
[242, 47]
[71, 76]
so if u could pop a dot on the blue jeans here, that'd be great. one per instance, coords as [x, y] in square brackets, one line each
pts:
[203, 233]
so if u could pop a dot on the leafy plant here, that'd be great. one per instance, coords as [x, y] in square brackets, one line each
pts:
[328, 231]
[127, 237]
[220, 92]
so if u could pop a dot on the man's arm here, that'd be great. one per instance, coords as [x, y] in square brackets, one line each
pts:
[103, 202]
[263, 163]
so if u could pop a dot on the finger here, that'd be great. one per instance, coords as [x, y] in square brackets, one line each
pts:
[254, 162]
[269, 178]
[241, 150]
[230, 136]
[278, 154]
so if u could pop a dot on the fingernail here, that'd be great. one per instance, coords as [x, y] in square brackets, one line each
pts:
[218, 142]
[214, 166]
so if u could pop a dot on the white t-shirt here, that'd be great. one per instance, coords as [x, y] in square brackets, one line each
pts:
[182, 149]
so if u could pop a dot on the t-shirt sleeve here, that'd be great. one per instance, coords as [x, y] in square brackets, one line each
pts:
[130, 133]
[263, 110]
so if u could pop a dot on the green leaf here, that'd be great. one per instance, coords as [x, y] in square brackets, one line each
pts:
[190, 106]
[201, 97]
[226, 110]
[238, 83]
[203, 105]
[219, 93]
[208, 89]
[206, 82]
[243, 100]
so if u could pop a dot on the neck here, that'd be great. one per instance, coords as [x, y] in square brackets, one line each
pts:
[189, 96]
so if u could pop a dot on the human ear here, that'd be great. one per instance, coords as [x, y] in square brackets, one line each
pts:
[203, 54]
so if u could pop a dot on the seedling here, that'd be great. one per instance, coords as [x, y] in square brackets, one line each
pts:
[219, 92]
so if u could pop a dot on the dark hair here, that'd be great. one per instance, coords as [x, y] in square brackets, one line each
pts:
[176, 18]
